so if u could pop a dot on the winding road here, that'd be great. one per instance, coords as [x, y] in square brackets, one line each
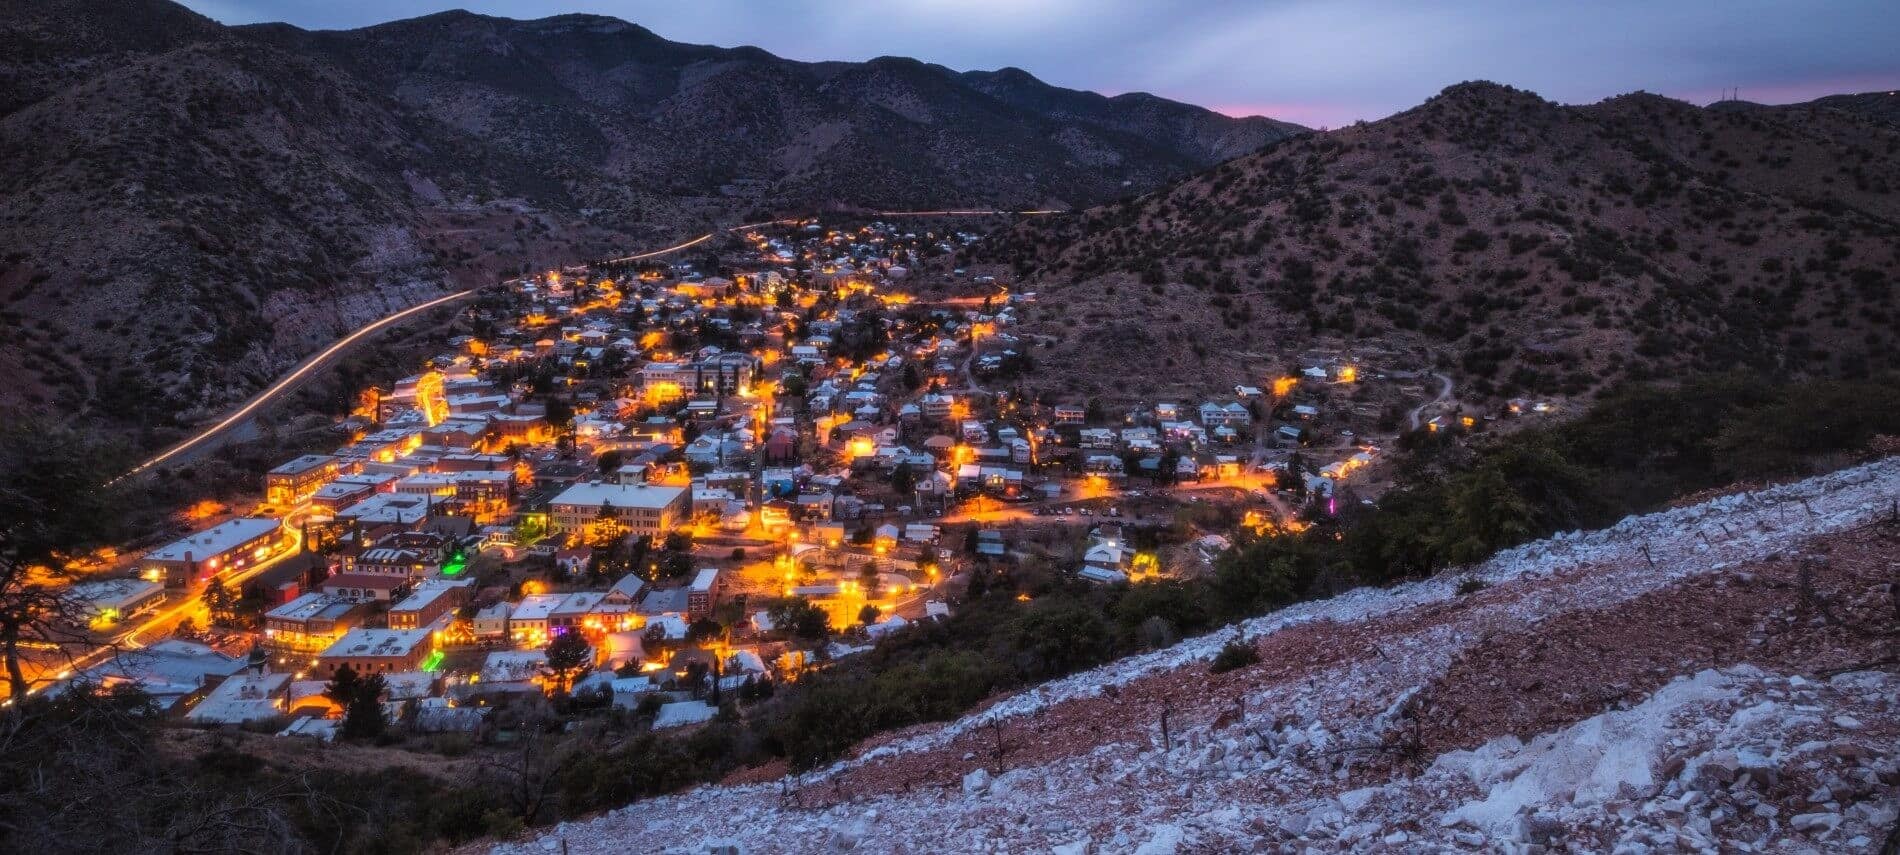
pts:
[316, 362]
[1444, 391]
[289, 382]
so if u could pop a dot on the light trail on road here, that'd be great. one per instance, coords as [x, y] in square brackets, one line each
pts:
[637, 256]
[128, 640]
[284, 383]
[313, 363]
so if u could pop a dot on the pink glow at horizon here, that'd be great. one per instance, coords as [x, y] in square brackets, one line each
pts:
[1795, 92]
[1319, 63]
[1317, 115]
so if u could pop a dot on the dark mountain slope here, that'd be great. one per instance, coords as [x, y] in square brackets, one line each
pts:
[1525, 246]
[190, 208]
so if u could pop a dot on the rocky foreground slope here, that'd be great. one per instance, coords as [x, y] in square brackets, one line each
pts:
[1716, 677]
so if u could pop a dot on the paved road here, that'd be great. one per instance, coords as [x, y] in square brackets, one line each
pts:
[69, 659]
[1444, 392]
[288, 383]
[322, 358]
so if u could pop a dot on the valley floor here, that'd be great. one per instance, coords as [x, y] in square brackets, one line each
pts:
[1713, 677]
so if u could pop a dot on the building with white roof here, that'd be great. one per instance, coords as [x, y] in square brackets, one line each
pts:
[528, 621]
[648, 510]
[311, 623]
[167, 670]
[430, 599]
[104, 602]
[381, 651]
[242, 698]
[228, 545]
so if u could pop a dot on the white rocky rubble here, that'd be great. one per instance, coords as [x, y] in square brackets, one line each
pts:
[1710, 762]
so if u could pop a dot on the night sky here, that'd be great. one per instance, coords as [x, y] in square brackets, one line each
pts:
[1316, 62]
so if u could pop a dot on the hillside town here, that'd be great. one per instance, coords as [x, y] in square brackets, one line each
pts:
[707, 480]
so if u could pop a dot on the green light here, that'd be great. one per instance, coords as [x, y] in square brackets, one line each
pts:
[455, 566]
[433, 662]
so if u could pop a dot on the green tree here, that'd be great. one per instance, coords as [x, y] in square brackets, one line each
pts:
[799, 619]
[560, 414]
[52, 507]
[363, 716]
[568, 654]
[220, 604]
[343, 686]
[1057, 637]
[903, 480]
[1486, 515]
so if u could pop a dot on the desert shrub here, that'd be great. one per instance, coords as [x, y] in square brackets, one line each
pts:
[1235, 654]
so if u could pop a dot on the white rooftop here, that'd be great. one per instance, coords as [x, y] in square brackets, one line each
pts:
[241, 698]
[649, 496]
[215, 540]
[366, 641]
[683, 713]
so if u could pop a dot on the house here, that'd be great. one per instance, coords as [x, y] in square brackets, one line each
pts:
[243, 698]
[406, 510]
[378, 651]
[229, 545]
[106, 602]
[682, 713]
[1305, 412]
[167, 671]
[573, 561]
[620, 649]
[579, 611]
[627, 590]
[644, 510]
[936, 406]
[703, 594]
[1247, 392]
[311, 623]
[393, 562]
[429, 601]
[491, 622]
[363, 587]
[1070, 415]
[292, 482]
[514, 666]
[528, 624]
[1232, 414]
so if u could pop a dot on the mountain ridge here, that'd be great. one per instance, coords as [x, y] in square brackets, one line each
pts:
[1529, 247]
[267, 185]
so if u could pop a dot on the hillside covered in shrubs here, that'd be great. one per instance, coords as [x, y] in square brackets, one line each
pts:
[1526, 247]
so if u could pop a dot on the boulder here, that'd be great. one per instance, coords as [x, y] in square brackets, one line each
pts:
[976, 783]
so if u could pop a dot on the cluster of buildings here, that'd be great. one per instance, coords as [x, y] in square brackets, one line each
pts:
[800, 398]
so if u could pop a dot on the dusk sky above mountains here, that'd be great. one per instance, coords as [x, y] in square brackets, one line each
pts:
[1316, 63]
